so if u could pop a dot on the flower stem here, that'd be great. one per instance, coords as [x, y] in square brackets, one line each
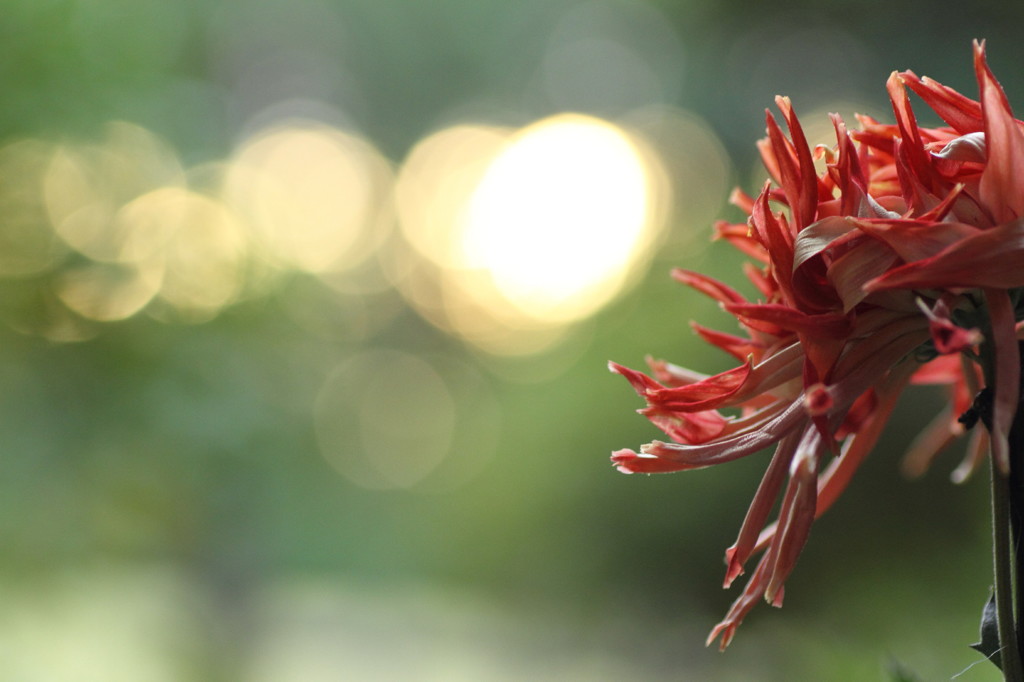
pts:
[1015, 489]
[1007, 527]
[1009, 649]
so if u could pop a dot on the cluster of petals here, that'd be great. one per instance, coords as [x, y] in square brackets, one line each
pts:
[901, 261]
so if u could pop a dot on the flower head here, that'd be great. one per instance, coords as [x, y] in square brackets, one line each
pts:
[900, 263]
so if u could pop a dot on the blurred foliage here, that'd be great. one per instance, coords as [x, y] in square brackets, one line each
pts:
[173, 509]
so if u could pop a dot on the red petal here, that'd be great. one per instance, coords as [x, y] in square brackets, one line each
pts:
[948, 337]
[765, 315]
[796, 514]
[736, 346]
[708, 286]
[799, 177]
[916, 194]
[741, 200]
[752, 593]
[706, 394]
[760, 507]
[861, 262]
[760, 281]
[918, 160]
[640, 382]
[1002, 181]
[702, 395]
[989, 258]
[673, 375]
[915, 240]
[927, 445]
[819, 236]
[691, 428]
[733, 447]
[840, 470]
[864, 262]
[629, 462]
[847, 171]
[963, 113]
[777, 239]
[970, 147]
[739, 236]
[817, 400]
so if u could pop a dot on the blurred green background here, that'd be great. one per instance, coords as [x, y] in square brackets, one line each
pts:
[306, 308]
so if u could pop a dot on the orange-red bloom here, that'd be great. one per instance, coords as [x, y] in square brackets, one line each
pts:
[902, 262]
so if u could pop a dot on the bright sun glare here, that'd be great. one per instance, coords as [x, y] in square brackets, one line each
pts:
[518, 234]
[559, 216]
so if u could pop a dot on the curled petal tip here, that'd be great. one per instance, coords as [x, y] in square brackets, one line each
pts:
[734, 570]
[818, 400]
[947, 336]
[726, 631]
[622, 458]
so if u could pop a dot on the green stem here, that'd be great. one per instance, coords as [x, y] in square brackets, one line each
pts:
[1016, 495]
[1007, 522]
[1002, 551]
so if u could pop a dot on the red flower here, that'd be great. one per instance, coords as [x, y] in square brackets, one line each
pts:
[905, 253]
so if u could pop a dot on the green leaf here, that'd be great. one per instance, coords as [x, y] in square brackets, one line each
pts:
[989, 644]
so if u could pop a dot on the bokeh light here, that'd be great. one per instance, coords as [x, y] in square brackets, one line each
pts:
[387, 419]
[125, 207]
[145, 229]
[697, 167]
[312, 195]
[527, 231]
[560, 215]
[106, 292]
[28, 245]
[89, 192]
[205, 261]
[437, 177]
